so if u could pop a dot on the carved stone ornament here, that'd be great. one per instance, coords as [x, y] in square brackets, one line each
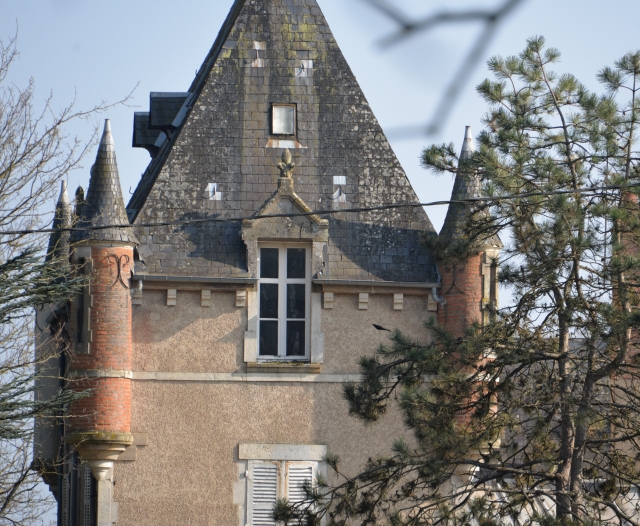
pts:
[286, 166]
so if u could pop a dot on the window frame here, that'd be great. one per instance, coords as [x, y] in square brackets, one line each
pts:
[295, 118]
[282, 281]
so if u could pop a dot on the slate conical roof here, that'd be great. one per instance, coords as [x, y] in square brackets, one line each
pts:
[466, 186]
[59, 240]
[272, 52]
[104, 205]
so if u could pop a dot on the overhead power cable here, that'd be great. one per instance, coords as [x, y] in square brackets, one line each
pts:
[181, 222]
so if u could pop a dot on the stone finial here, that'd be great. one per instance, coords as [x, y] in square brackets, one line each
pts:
[286, 166]
[104, 205]
[59, 239]
[79, 200]
[468, 146]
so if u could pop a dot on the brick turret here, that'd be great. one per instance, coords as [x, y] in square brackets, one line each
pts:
[100, 424]
[469, 288]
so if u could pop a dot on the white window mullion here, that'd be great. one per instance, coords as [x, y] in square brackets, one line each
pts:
[282, 312]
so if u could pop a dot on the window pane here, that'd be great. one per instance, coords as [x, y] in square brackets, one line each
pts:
[295, 301]
[268, 300]
[283, 120]
[296, 263]
[269, 262]
[268, 338]
[295, 338]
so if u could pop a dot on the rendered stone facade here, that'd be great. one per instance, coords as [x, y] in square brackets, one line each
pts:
[175, 345]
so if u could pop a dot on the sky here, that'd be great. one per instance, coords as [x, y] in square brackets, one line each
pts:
[91, 51]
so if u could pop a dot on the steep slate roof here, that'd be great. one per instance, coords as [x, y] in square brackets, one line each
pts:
[59, 240]
[104, 204]
[466, 186]
[278, 51]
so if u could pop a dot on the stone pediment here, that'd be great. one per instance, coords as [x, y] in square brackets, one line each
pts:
[273, 221]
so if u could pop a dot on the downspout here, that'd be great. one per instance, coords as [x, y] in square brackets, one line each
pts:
[434, 290]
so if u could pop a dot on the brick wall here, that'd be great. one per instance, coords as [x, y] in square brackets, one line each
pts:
[462, 290]
[108, 407]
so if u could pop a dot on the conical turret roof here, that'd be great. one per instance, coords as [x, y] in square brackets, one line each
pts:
[104, 205]
[466, 186]
[59, 240]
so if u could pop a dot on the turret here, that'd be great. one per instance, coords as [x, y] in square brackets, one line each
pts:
[100, 424]
[469, 288]
[49, 347]
[59, 239]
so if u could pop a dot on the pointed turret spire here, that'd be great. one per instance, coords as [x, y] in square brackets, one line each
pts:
[104, 205]
[466, 186]
[59, 240]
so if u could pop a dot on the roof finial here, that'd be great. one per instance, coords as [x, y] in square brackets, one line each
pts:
[64, 197]
[59, 239]
[286, 166]
[468, 146]
[103, 205]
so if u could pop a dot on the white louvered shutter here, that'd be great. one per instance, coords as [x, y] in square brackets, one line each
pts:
[263, 493]
[299, 473]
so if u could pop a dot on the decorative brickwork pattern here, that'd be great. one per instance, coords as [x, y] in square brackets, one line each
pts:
[225, 136]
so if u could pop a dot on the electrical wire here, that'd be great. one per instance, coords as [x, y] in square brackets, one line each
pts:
[181, 222]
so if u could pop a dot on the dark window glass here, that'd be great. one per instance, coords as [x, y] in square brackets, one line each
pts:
[296, 263]
[269, 263]
[295, 338]
[268, 338]
[269, 300]
[295, 301]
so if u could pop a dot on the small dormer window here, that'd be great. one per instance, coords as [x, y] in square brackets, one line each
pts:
[283, 119]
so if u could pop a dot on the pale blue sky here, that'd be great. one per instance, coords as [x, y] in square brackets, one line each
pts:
[101, 50]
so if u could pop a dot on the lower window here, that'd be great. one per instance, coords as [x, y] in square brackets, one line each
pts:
[273, 480]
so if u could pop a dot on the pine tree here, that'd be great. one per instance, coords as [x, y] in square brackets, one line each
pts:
[551, 382]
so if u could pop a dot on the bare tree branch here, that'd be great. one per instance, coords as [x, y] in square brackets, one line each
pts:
[491, 18]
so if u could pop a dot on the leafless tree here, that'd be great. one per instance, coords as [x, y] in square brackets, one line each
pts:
[35, 155]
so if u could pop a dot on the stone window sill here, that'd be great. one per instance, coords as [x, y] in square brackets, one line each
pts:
[284, 367]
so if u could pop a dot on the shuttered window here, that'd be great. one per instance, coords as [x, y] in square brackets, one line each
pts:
[298, 474]
[264, 492]
[270, 481]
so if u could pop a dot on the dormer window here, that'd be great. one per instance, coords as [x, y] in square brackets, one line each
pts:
[284, 289]
[283, 119]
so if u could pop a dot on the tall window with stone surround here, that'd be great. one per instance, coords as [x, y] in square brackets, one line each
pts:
[284, 292]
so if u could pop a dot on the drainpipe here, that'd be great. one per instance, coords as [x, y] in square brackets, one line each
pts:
[434, 291]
